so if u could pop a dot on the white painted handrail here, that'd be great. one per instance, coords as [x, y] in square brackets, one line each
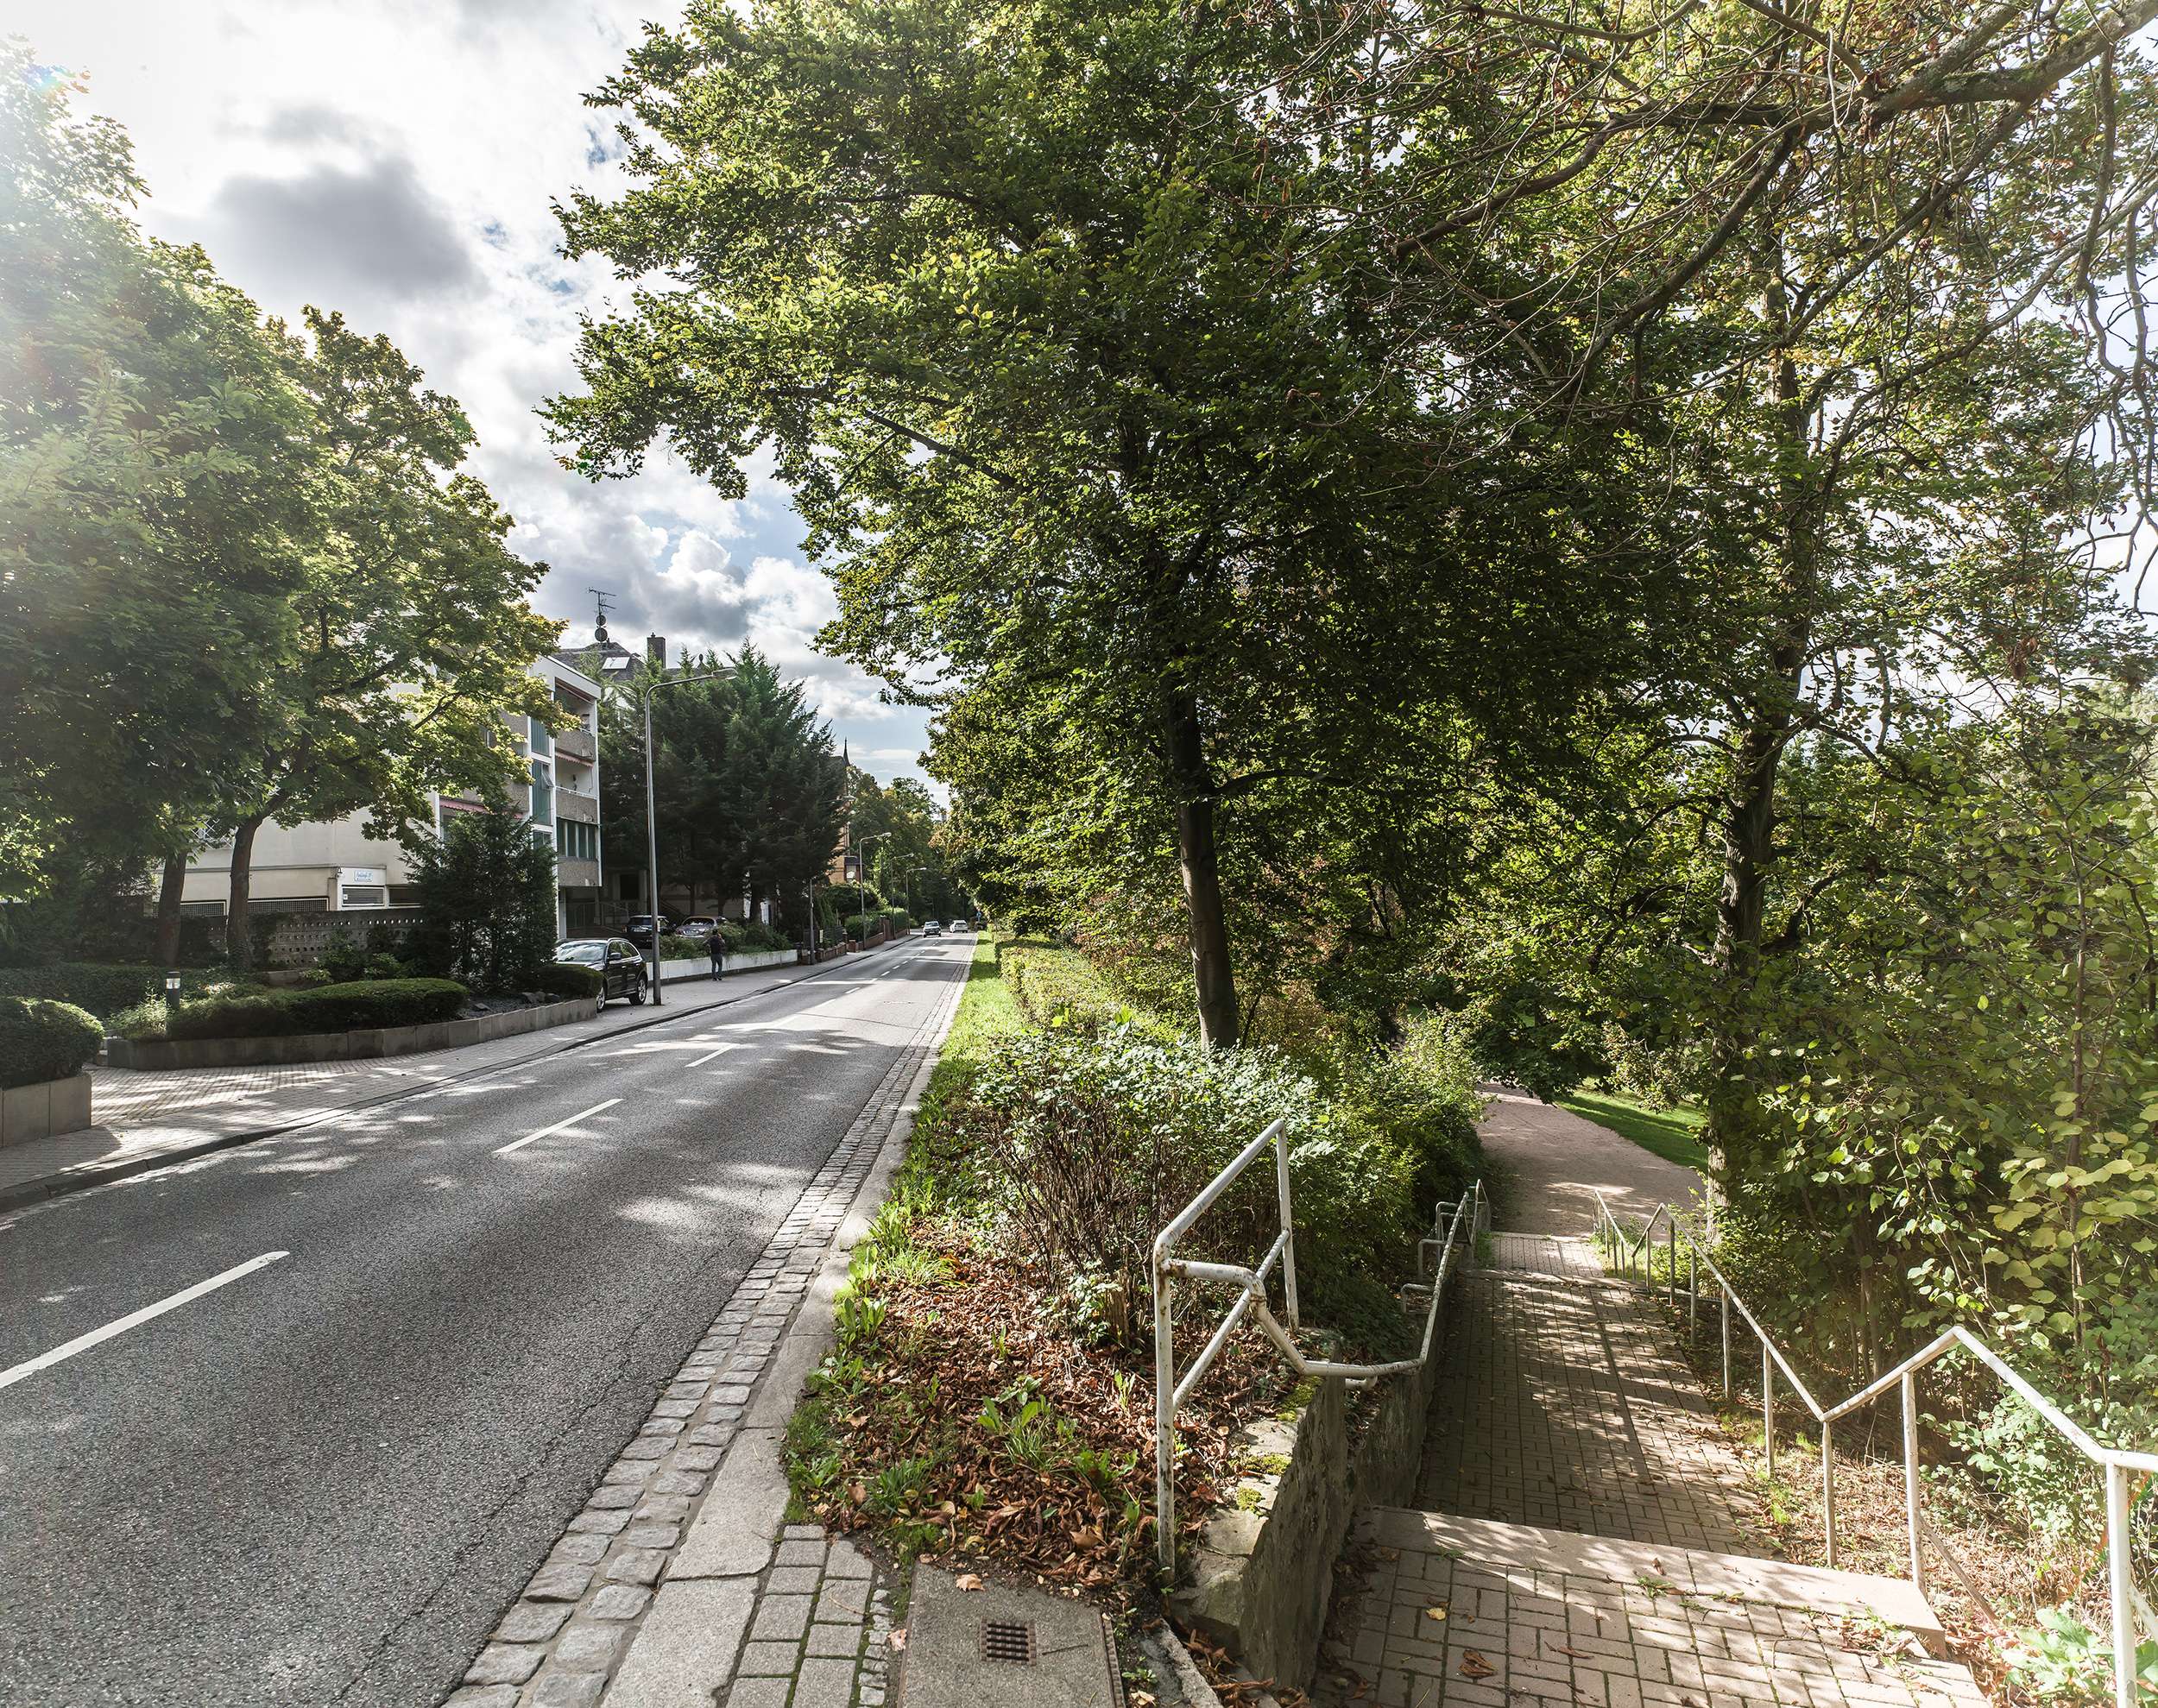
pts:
[1170, 1392]
[2115, 1462]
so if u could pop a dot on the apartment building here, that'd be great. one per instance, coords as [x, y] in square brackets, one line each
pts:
[336, 867]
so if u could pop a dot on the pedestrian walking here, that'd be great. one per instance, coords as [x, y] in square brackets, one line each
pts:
[715, 946]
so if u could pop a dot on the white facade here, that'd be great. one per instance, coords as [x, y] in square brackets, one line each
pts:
[335, 867]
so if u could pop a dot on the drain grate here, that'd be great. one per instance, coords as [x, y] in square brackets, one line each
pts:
[1010, 1640]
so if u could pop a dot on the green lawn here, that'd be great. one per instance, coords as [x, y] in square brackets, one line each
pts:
[1672, 1134]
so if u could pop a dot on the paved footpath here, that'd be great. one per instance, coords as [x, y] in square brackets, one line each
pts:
[680, 1584]
[148, 1120]
[1588, 1535]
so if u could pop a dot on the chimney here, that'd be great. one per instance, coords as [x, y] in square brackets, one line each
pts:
[656, 650]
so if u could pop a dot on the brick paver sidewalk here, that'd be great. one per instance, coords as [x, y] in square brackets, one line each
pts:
[1586, 1522]
[1559, 1404]
[1448, 1620]
[147, 1120]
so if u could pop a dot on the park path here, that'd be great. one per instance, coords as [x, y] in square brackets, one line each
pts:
[1584, 1534]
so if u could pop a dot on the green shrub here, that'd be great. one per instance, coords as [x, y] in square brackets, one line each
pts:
[1058, 986]
[342, 959]
[331, 1008]
[42, 1041]
[672, 947]
[566, 979]
[100, 989]
[753, 937]
[1086, 1142]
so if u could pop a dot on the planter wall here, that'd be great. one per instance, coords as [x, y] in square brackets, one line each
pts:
[1261, 1576]
[674, 972]
[29, 1112]
[158, 1055]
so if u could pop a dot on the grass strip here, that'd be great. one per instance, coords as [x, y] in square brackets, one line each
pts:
[1672, 1134]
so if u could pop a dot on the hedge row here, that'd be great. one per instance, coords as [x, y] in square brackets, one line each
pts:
[42, 1041]
[328, 1008]
[103, 990]
[566, 978]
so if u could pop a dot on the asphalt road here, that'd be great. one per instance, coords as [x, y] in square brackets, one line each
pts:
[322, 1480]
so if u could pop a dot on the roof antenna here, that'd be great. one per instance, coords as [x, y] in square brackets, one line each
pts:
[599, 627]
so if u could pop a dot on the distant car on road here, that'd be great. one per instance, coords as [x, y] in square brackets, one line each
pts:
[931, 927]
[616, 958]
[958, 924]
[638, 928]
[697, 925]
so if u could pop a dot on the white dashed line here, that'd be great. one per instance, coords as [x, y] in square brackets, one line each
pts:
[519, 1144]
[83, 1343]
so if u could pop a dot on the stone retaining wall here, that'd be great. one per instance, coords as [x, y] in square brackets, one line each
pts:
[1261, 1576]
[158, 1055]
[29, 1112]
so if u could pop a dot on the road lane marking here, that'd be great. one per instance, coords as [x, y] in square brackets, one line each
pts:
[721, 1050]
[543, 1133]
[83, 1343]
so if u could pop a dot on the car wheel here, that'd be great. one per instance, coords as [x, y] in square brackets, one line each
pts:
[637, 994]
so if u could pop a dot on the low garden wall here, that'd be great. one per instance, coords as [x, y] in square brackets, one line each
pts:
[29, 1112]
[1260, 1577]
[745, 960]
[159, 1055]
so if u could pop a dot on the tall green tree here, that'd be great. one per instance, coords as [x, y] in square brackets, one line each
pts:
[407, 643]
[745, 779]
[487, 897]
[1091, 435]
[155, 469]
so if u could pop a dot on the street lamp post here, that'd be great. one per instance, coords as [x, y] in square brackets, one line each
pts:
[651, 817]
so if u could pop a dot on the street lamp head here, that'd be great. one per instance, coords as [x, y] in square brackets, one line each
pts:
[172, 985]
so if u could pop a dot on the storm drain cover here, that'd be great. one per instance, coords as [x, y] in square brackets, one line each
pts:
[1007, 1640]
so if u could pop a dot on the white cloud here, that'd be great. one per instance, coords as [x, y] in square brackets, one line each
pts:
[397, 160]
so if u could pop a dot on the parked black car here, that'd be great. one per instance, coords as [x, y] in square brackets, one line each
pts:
[638, 928]
[616, 957]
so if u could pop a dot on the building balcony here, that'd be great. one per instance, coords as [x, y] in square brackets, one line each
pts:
[576, 743]
[584, 809]
[577, 874]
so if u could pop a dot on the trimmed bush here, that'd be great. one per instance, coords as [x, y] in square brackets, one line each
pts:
[42, 1041]
[565, 978]
[753, 936]
[331, 1008]
[101, 990]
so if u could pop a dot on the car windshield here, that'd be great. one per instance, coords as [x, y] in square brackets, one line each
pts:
[585, 955]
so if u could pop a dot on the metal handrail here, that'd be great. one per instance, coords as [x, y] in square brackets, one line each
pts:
[2115, 1462]
[1251, 1284]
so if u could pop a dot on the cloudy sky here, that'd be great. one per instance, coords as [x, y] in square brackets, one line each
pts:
[395, 159]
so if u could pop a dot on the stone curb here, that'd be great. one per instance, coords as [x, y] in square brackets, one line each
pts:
[680, 1584]
[88, 1176]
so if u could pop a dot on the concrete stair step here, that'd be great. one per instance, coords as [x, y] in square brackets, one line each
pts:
[1729, 1577]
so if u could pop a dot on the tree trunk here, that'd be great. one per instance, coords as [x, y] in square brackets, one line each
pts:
[1765, 728]
[239, 948]
[166, 953]
[1213, 982]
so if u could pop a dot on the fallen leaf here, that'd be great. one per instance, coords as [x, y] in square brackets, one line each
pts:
[1473, 1666]
[896, 1639]
[966, 1580]
[1579, 1655]
[1438, 1612]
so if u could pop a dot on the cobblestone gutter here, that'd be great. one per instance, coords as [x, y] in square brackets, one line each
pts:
[679, 1582]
